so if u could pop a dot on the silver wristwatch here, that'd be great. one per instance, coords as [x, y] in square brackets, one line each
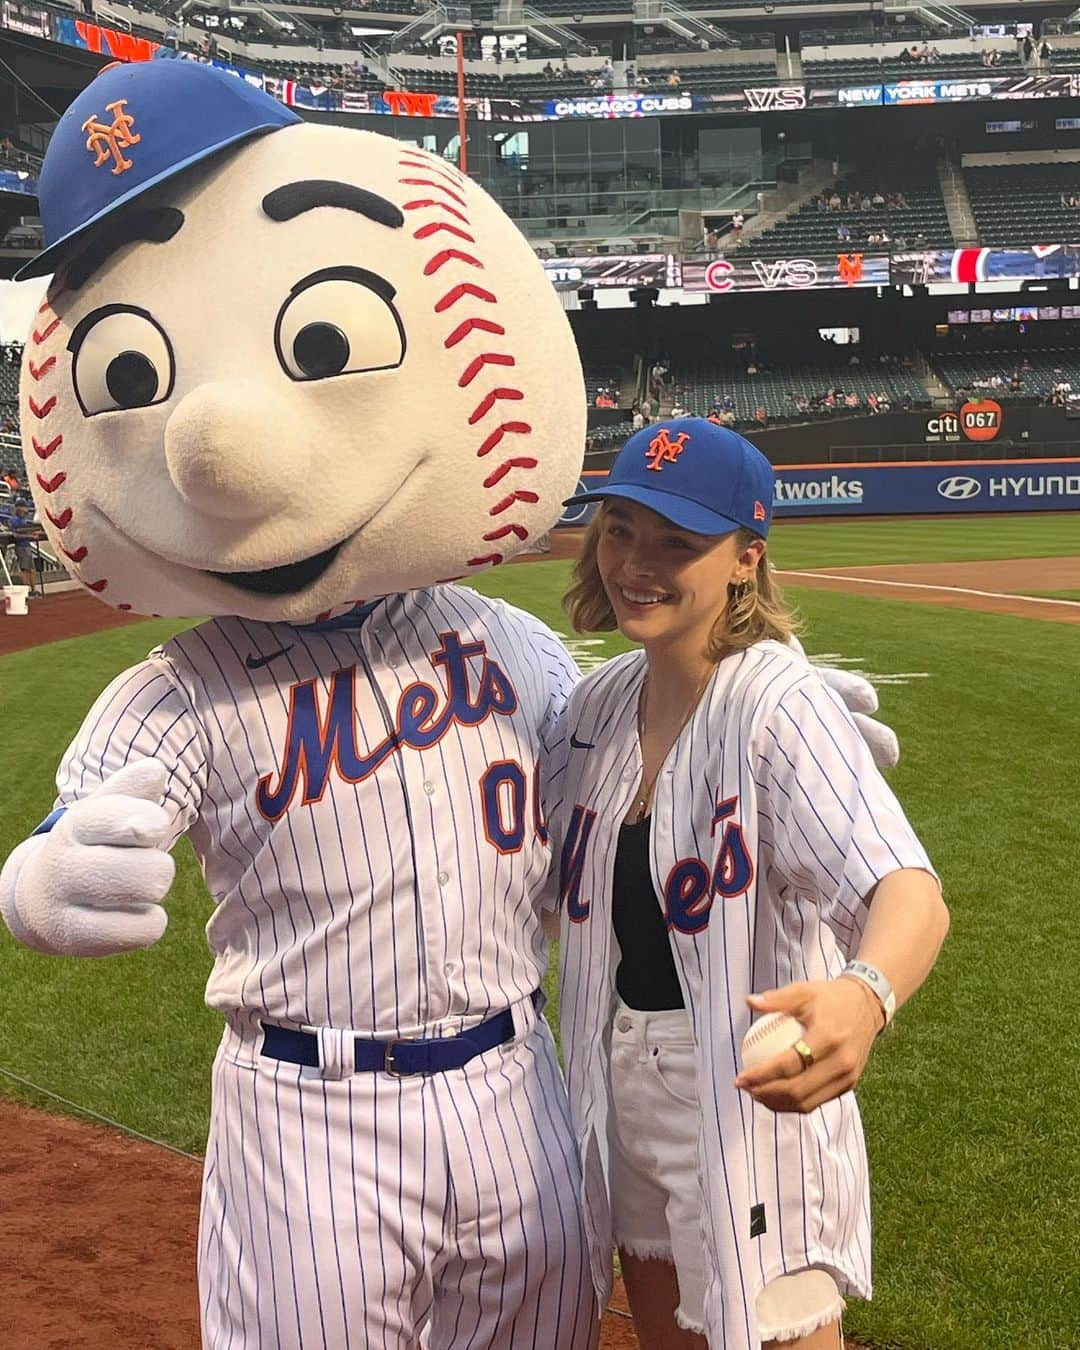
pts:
[876, 982]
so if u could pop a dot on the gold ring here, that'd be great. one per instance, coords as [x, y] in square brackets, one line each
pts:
[804, 1052]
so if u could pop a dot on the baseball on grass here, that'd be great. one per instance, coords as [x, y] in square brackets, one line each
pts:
[770, 1036]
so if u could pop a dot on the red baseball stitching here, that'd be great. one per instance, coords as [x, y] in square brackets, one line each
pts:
[477, 364]
[470, 324]
[437, 226]
[430, 202]
[504, 429]
[489, 400]
[521, 462]
[448, 255]
[48, 448]
[462, 289]
[44, 451]
[39, 338]
[431, 183]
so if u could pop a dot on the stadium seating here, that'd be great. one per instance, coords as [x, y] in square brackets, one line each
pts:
[1021, 204]
[922, 223]
[773, 388]
[1010, 374]
[872, 70]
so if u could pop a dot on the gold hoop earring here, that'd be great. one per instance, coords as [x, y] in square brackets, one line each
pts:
[740, 590]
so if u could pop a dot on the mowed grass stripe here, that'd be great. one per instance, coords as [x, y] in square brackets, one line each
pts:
[852, 543]
[973, 1103]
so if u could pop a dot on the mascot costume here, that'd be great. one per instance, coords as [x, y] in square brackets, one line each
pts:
[301, 378]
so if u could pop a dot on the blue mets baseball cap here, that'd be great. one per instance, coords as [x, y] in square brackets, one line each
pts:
[133, 127]
[700, 476]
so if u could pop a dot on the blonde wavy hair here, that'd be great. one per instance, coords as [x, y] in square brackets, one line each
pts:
[755, 612]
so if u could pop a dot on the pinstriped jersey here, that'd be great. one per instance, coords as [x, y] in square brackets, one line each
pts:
[363, 802]
[770, 827]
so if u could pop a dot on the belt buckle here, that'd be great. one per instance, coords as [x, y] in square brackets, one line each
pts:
[388, 1061]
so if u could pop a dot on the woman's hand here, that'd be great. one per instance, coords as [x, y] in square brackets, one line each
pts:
[842, 1018]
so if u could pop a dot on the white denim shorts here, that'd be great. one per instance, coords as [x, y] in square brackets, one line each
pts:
[656, 1199]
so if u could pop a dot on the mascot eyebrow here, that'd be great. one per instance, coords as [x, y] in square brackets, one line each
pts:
[285, 203]
[157, 225]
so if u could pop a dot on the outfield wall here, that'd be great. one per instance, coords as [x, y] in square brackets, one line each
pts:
[949, 487]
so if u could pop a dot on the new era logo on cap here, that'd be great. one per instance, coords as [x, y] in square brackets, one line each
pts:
[760, 512]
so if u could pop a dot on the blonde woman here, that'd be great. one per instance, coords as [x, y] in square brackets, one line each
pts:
[727, 848]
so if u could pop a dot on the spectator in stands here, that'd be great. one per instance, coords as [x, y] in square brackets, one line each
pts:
[843, 232]
[738, 220]
[872, 402]
[852, 399]
[834, 201]
[712, 239]
[877, 200]
[549, 71]
[631, 75]
[883, 403]
[674, 79]
[1027, 51]
[873, 237]
[637, 422]
[677, 409]
[646, 409]
[761, 416]
[864, 202]
[1045, 52]
[11, 481]
[643, 81]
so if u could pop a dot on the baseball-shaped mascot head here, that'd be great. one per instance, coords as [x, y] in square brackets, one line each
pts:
[282, 367]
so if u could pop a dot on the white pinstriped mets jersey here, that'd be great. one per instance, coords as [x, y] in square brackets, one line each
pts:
[770, 826]
[363, 802]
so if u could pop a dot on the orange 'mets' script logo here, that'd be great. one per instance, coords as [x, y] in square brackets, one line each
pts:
[106, 140]
[663, 450]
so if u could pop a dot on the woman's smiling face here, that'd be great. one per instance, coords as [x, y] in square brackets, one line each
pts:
[666, 585]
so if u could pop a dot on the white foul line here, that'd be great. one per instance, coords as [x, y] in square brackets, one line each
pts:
[925, 586]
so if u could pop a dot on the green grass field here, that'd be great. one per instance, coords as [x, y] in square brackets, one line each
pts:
[972, 1103]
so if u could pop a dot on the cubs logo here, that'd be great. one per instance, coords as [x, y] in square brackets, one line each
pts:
[663, 450]
[106, 140]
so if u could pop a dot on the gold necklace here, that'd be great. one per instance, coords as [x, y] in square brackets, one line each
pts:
[642, 804]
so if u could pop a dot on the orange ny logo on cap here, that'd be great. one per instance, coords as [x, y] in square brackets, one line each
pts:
[106, 140]
[663, 450]
[759, 511]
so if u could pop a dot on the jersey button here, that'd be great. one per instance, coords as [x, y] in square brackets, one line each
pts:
[443, 878]
[622, 1022]
[429, 788]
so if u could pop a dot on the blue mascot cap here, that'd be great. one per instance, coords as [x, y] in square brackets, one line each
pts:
[700, 476]
[133, 127]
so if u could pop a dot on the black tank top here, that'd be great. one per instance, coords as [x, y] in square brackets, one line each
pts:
[645, 977]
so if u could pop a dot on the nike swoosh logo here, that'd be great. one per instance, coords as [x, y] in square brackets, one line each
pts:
[255, 662]
[581, 745]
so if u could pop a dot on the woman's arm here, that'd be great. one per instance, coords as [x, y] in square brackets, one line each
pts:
[905, 929]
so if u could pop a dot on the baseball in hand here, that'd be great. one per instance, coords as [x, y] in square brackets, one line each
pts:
[770, 1036]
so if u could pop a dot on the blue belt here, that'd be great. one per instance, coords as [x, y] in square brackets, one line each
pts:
[397, 1058]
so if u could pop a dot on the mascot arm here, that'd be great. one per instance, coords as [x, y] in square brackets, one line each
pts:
[90, 881]
[861, 700]
[561, 675]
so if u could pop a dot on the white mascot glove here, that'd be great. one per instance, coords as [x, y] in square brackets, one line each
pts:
[92, 885]
[860, 698]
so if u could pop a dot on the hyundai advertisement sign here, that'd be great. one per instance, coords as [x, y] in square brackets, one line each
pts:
[946, 488]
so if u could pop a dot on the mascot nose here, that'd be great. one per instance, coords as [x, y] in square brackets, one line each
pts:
[229, 453]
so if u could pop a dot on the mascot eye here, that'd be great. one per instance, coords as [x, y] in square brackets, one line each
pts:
[121, 359]
[338, 322]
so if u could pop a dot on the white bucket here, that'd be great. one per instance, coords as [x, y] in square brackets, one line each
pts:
[15, 599]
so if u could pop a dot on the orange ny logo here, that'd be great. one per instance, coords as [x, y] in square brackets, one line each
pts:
[663, 450]
[850, 268]
[107, 140]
